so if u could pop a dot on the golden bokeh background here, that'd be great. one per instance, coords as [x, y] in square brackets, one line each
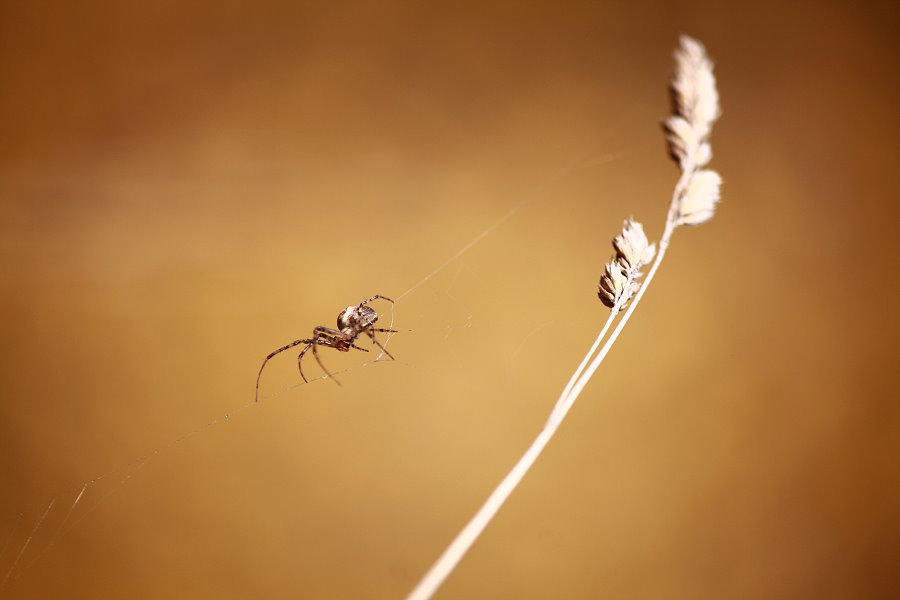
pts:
[187, 186]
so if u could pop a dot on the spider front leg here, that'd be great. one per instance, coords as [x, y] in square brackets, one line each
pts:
[271, 354]
[376, 297]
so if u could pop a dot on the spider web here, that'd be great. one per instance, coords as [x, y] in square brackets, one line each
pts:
[22, 548]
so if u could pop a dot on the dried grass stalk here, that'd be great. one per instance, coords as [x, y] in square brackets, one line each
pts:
[695, 103]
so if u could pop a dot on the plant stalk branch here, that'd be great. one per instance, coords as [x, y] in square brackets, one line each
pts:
[464, 540]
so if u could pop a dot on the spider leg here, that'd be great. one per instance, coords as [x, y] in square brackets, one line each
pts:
[376, 297]
[300, 361]
[330, 336]
[370, 330]
[383, 349]
[327, 342]
[282, 349]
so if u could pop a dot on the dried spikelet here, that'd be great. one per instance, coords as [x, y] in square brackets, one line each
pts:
[699, 200]
[613, 283]
[632, 246]
[695, 103]
[694, 93]
[681, 138]
[620, 277]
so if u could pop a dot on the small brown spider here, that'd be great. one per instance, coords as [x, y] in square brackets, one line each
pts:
[352, 322]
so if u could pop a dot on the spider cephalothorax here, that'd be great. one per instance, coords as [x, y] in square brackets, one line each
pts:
[355, 318]
[352, 322]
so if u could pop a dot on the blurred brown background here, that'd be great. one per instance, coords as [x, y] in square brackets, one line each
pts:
[187, 186]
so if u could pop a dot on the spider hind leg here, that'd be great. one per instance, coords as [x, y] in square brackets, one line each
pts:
[326, 336]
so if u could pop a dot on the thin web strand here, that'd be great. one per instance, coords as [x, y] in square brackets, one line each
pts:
[59, 530]
[9, 536]
[27, 541]
[558, 175]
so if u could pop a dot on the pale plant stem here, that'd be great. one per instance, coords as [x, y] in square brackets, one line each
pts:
[465, 538]
[584, 361]
[671, 225]
[595, 364]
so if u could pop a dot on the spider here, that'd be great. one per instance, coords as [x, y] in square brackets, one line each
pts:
[352, 322]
